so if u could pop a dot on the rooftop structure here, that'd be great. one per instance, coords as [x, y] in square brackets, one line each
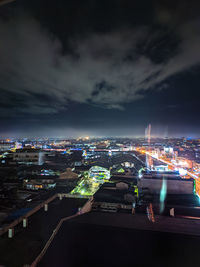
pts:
[68, 174]
[29, 156]
[125, 238]
[99, 173]
[40, 184]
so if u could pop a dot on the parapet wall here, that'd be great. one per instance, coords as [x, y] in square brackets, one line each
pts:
[173, 186]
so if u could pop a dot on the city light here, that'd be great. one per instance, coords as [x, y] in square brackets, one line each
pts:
[182, 171]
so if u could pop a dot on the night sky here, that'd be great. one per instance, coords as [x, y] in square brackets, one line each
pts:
[103, 68]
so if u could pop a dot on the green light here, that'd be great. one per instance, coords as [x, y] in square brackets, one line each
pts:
[163, 193]
[120, 170]
[136, 190]
[88, 186]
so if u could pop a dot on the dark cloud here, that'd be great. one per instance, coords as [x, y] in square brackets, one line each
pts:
[33, 67]
[46, 67]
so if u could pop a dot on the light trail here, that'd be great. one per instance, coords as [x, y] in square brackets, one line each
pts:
[189, 173]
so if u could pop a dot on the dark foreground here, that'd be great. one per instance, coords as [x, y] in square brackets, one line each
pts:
[28, 242]
[80, 243]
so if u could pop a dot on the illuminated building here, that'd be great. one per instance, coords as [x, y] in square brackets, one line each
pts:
[168, 150]
[161, 168]
[128, 164]
[182, 162]
[84, 153]
[5, 146]
[99, 173]
[110, 153]
[18, 145]
[39, 184]
[29, 156]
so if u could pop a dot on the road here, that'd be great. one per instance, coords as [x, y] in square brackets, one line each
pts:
[189, 173]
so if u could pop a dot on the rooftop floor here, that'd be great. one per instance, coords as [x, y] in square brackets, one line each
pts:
[102, 239]
[28, 242]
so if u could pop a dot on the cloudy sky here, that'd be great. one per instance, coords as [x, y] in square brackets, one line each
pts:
[107, 67]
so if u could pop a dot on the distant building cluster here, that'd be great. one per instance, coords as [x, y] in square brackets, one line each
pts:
[112, 170]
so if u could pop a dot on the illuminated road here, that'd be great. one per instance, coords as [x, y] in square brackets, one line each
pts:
[190, 174]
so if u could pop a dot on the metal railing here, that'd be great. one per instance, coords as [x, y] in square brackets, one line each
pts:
[28, 214]
[86, 208]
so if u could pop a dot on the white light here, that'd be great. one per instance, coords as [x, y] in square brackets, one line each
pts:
[182, 172]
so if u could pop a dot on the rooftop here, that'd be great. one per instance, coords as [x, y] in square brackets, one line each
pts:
[102, 239]
[27, 243]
